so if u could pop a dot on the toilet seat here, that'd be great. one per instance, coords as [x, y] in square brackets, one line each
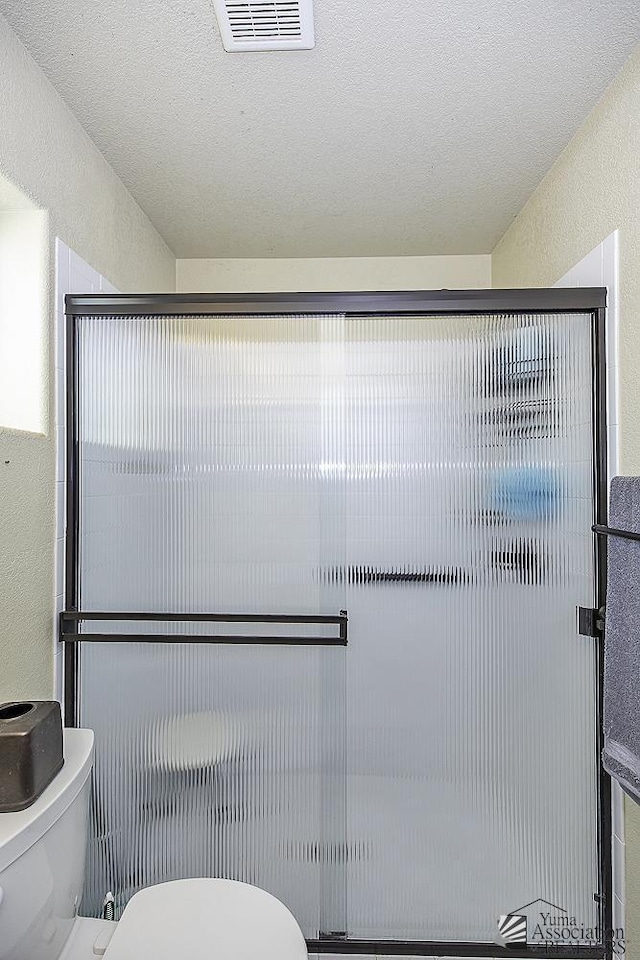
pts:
[206, 919]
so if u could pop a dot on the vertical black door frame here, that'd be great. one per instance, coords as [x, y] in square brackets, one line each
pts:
[72, 532]
[418, 303]
[601, 511]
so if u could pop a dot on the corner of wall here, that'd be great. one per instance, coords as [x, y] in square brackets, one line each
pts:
[336, 274]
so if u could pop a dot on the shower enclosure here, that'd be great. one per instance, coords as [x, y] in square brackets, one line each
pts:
[325, 561]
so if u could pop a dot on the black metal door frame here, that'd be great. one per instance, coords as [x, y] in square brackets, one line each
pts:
[591, 300]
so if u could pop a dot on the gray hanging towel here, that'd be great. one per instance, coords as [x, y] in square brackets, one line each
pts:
[621, 754]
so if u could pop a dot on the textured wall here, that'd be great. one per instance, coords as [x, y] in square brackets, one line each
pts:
[332, 273]
[44, 150]
[411, 128]
[594, 188]
[53, 160]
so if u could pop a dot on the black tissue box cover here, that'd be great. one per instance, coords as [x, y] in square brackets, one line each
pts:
[30, 751]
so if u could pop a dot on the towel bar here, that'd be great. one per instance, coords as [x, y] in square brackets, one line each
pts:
[614, 532]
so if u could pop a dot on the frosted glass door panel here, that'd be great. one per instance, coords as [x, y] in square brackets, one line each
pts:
[219, 761]
[471, 699]
[204, 489]
[204, 448]
[431, 475]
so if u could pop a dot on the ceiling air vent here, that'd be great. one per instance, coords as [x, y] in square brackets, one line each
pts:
[248, 25]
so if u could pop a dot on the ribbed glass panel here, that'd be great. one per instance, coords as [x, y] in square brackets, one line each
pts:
[208, 467]
[205, 488]
[434, 477]
[471, 698]
[214, 761]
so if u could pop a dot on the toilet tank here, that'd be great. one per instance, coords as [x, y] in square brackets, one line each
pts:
[42, 851]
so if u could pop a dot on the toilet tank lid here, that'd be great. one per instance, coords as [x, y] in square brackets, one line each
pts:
[20, 830]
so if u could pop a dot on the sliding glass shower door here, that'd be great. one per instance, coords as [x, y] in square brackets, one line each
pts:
[430, 475]
[203, 446]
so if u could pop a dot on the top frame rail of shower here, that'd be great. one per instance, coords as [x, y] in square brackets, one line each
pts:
[536, 300]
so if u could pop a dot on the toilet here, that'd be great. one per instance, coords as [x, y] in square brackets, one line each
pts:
[42, 854]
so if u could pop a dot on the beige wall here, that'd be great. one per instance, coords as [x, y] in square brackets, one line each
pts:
[332, 273]
[23, 284]
[45, 152]
[594, 188]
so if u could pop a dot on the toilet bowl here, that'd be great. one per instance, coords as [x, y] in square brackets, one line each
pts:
[42, 852]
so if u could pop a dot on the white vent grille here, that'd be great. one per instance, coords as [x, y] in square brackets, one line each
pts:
[265, 24]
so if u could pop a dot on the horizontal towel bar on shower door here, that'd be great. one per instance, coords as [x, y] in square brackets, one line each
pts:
[614, 532]
[69, 619]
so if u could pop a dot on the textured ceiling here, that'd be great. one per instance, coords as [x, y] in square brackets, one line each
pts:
[414, 126]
